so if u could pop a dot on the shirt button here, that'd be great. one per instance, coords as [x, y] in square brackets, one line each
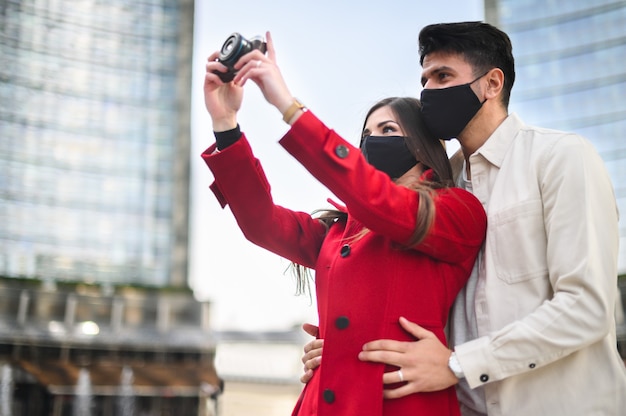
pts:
[329, 396]
[532, 365]
[484, 378]
[342, 151]
[345, 250]
[342, 322]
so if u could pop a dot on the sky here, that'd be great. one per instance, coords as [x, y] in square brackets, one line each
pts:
[339, 58]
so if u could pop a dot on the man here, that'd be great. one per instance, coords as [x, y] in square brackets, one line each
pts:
[533, 333]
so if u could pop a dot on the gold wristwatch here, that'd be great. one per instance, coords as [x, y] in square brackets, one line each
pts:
[291, 111]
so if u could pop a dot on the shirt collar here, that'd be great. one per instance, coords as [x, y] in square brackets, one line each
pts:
[497, 145]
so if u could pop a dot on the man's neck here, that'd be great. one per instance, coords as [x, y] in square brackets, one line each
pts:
[478, 131]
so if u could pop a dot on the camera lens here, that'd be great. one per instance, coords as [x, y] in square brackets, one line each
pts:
[229, 45]
[232, 49]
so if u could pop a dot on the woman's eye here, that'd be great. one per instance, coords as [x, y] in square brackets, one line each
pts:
[389, 129]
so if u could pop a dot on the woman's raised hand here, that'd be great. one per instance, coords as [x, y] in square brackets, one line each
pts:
[222, 100]
[264, 72]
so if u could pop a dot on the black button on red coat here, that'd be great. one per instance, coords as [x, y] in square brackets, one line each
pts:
[329, 396]
[342, 322]
[345, 250]
[342, 151]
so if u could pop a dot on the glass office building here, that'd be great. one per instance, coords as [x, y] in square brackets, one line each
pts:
[94, 140]
[570, 74]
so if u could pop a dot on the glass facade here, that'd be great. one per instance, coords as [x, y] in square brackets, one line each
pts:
[570, 75]
[90, 139]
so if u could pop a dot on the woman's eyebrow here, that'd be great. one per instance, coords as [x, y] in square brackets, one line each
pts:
[382, 123]
[366, 131]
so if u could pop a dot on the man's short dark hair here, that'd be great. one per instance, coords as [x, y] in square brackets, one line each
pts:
[482, 45]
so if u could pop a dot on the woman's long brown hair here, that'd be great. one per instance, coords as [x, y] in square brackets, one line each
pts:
[426, 149]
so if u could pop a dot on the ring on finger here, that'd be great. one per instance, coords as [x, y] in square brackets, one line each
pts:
[400, 375]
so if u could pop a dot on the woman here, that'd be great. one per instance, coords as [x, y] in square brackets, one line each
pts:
[403, 245]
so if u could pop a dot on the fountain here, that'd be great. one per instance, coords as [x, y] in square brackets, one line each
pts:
[6, 391]
[126, 396]
[84, 396]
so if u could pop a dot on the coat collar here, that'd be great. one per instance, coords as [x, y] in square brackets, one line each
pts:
[340, 207]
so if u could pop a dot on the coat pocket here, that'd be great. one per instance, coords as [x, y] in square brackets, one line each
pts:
[517, 240]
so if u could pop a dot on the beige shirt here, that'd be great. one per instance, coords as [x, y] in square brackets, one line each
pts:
[547, 288]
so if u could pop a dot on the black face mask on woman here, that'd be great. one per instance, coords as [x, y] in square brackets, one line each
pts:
[446, 111]
[388, 154]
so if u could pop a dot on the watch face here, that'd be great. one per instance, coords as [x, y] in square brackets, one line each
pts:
[454, 365]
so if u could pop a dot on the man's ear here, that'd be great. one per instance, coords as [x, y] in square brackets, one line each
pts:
[495, 83]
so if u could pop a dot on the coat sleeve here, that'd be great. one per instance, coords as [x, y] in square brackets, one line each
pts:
[376, 201]
[240, 183]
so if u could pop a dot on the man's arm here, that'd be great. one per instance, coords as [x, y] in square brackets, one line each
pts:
[581, 223]
[576, 231]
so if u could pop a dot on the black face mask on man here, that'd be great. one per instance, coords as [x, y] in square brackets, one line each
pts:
[388, 154]
[446, 111]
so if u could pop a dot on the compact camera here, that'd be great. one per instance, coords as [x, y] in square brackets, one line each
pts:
[234, 48]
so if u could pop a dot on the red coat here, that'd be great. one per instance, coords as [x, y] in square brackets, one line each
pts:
[363, 286]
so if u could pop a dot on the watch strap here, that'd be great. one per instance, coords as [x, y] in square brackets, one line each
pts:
[292, 109]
